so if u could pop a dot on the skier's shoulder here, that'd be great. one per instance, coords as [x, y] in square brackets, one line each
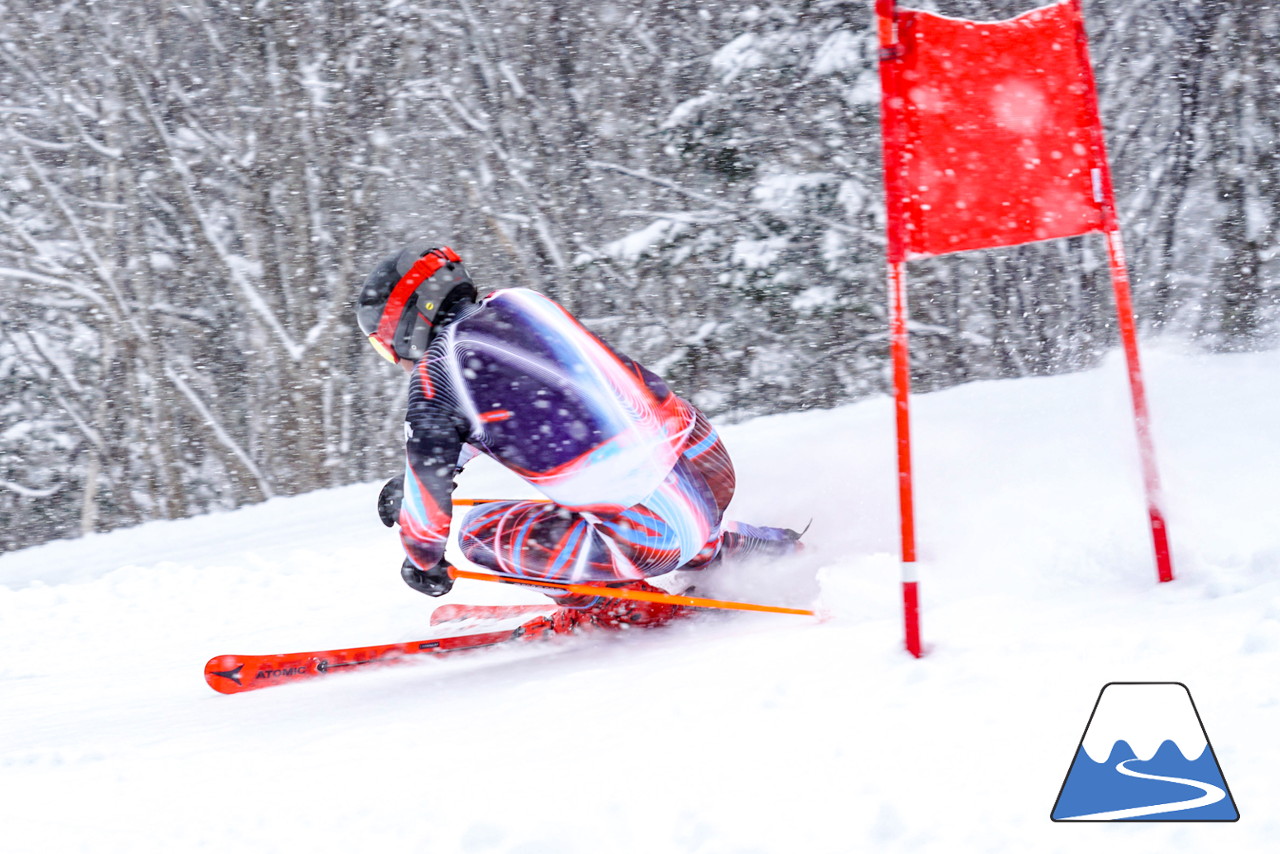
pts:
[520, 313]
[516, 294]
[521, 300]
[526, 301]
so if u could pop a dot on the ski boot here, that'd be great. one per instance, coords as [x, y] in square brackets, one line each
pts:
[606, 613]
[742, 541]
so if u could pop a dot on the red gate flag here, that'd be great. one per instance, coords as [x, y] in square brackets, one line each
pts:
[995, 133]
[992, 138]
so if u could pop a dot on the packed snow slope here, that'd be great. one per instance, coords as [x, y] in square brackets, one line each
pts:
[753, 733]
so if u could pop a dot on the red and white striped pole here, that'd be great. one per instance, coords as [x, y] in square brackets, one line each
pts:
[886, 27]
[1141, 416]
[901, 357]
[1104, 194]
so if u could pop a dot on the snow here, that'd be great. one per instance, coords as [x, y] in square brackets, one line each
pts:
[741, 734]
[688, 109]
[784, 192]
[641, 242]
[744, 53]
[841, 52]
[758, 254]
[1144, 716]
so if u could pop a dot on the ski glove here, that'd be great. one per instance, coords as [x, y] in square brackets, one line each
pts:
[433, 582]
[389, 500]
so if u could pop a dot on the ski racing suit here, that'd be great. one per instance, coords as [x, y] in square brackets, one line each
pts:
[638, 478]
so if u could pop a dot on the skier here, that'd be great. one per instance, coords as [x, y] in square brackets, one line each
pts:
[638, 479]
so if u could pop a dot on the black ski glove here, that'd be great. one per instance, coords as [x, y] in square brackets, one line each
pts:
[389, 500]
[434, 582]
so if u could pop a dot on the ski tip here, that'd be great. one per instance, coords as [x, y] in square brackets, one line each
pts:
[224, 673]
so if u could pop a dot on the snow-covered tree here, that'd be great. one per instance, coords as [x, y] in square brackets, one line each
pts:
[190, 192]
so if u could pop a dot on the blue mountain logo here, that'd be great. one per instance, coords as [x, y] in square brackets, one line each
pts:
[1145, 756]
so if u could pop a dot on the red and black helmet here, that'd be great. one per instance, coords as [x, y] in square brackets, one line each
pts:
[407, 295]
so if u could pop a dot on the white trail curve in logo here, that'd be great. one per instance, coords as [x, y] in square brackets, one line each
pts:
[1212, 794]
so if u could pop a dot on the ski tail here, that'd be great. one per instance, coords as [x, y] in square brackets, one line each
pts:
[454, 612]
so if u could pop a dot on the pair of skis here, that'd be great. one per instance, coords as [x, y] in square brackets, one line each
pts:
[471, 627]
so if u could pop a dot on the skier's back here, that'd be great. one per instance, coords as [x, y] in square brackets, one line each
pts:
[552, 402]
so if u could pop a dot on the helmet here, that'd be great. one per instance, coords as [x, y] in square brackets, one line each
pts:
[407, 294]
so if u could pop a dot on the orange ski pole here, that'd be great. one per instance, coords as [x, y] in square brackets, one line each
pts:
[624, 593]
[472, 502]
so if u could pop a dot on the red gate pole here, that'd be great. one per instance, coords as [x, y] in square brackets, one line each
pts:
[901, 357]
[1141, 416]
[1105, 195]
[886, 28]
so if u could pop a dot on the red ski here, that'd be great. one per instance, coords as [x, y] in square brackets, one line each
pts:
[493, 624]
[453, 613]
[235, 674]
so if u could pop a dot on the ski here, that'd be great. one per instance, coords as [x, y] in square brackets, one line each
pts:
[471, 627]
[235, 674]
[454, 613]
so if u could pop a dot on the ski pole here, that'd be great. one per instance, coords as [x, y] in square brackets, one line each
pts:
[476, 502]
[624, 593]
[472, 502]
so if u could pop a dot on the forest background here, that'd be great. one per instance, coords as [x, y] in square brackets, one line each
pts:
[190, 192]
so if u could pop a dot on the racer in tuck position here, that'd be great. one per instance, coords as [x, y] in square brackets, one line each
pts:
[638, 479]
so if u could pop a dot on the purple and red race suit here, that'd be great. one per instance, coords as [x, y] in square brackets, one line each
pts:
[638, 478]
